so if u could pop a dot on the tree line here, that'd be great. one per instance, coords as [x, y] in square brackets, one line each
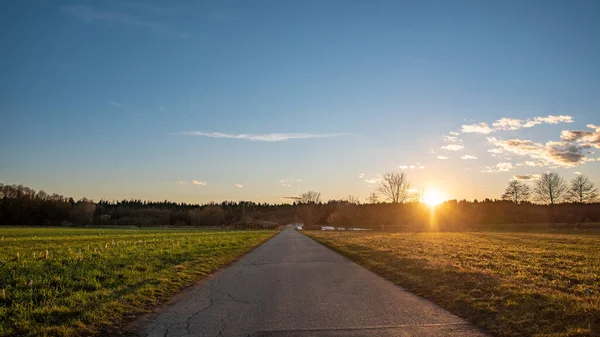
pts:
[394, 205]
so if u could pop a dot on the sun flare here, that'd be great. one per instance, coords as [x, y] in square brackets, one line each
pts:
[433, 197]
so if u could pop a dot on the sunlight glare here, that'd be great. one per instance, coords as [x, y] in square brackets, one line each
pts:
[433, 197]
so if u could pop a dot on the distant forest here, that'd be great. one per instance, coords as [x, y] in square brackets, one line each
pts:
[23, 206]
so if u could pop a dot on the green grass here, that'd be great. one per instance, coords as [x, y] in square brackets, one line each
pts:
[96, 279]
[511, 284]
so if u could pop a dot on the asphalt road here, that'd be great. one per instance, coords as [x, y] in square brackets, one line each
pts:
[293, 286]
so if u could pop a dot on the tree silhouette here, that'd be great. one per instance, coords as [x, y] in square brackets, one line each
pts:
[516, 192]
[550, 188]
[395, 187]
[582, 190]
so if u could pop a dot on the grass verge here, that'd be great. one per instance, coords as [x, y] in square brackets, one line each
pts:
[72, 282]
[511, 284]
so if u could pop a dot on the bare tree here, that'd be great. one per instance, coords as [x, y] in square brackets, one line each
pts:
[310, 197]
[310, 210]
[550, 188]
[516, 192]
[373, 198]
[353, 200]
[395, 187]
[582, 190]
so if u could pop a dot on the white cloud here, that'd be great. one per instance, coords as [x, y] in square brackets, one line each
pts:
[442, 157]
[548, 120]
[453, 133]
[180, 182]
[507, 124]
[578, 173]
[412, 167]
[239, 185]
[201, 183]
[116, 104]
[477, 128]
[453, 147]
[268, 137]
[468, 157]
[450, 139]
[361, 175]
[526, 176]
[532, 163]
[496, 151]
[500, 167]
[370, 181]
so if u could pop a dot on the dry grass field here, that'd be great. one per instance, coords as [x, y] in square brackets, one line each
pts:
[511, 284]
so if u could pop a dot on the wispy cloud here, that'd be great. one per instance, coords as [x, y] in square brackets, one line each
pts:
[500, 167]
[468, 157]
[412, 167]
[267, 137]
[507, 124]
[200, 183]
[115, 103]
[180, 182]
[149, 8]
[547, 120]
[453, 147]
[239, 185]
[291, 198]
[450, 139]
[532, 163]
[442, 157]
[504, 124]
[526, 176]
[477, 128]
[91, 14]
[370, 181]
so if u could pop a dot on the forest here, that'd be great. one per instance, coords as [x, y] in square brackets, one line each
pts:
[400, 210]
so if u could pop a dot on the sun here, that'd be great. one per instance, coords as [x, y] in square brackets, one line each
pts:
[433, 197]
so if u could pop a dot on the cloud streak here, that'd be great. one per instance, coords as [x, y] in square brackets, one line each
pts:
[199, 183]
[267, 137]
[511, 124]
[526, 176]
[500, 167]
[453, 147]
[91, 14]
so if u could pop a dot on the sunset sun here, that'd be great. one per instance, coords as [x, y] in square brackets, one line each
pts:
[433, 197]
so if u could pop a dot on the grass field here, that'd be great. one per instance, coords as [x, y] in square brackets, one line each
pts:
[511, 284]
[72, 282]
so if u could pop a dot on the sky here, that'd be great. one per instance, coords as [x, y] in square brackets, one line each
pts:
[194, 101]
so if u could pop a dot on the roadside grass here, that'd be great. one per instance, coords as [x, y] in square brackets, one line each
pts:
[511, 284]
[92, 280]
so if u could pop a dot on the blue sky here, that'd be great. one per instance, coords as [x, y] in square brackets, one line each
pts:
[182, 100]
